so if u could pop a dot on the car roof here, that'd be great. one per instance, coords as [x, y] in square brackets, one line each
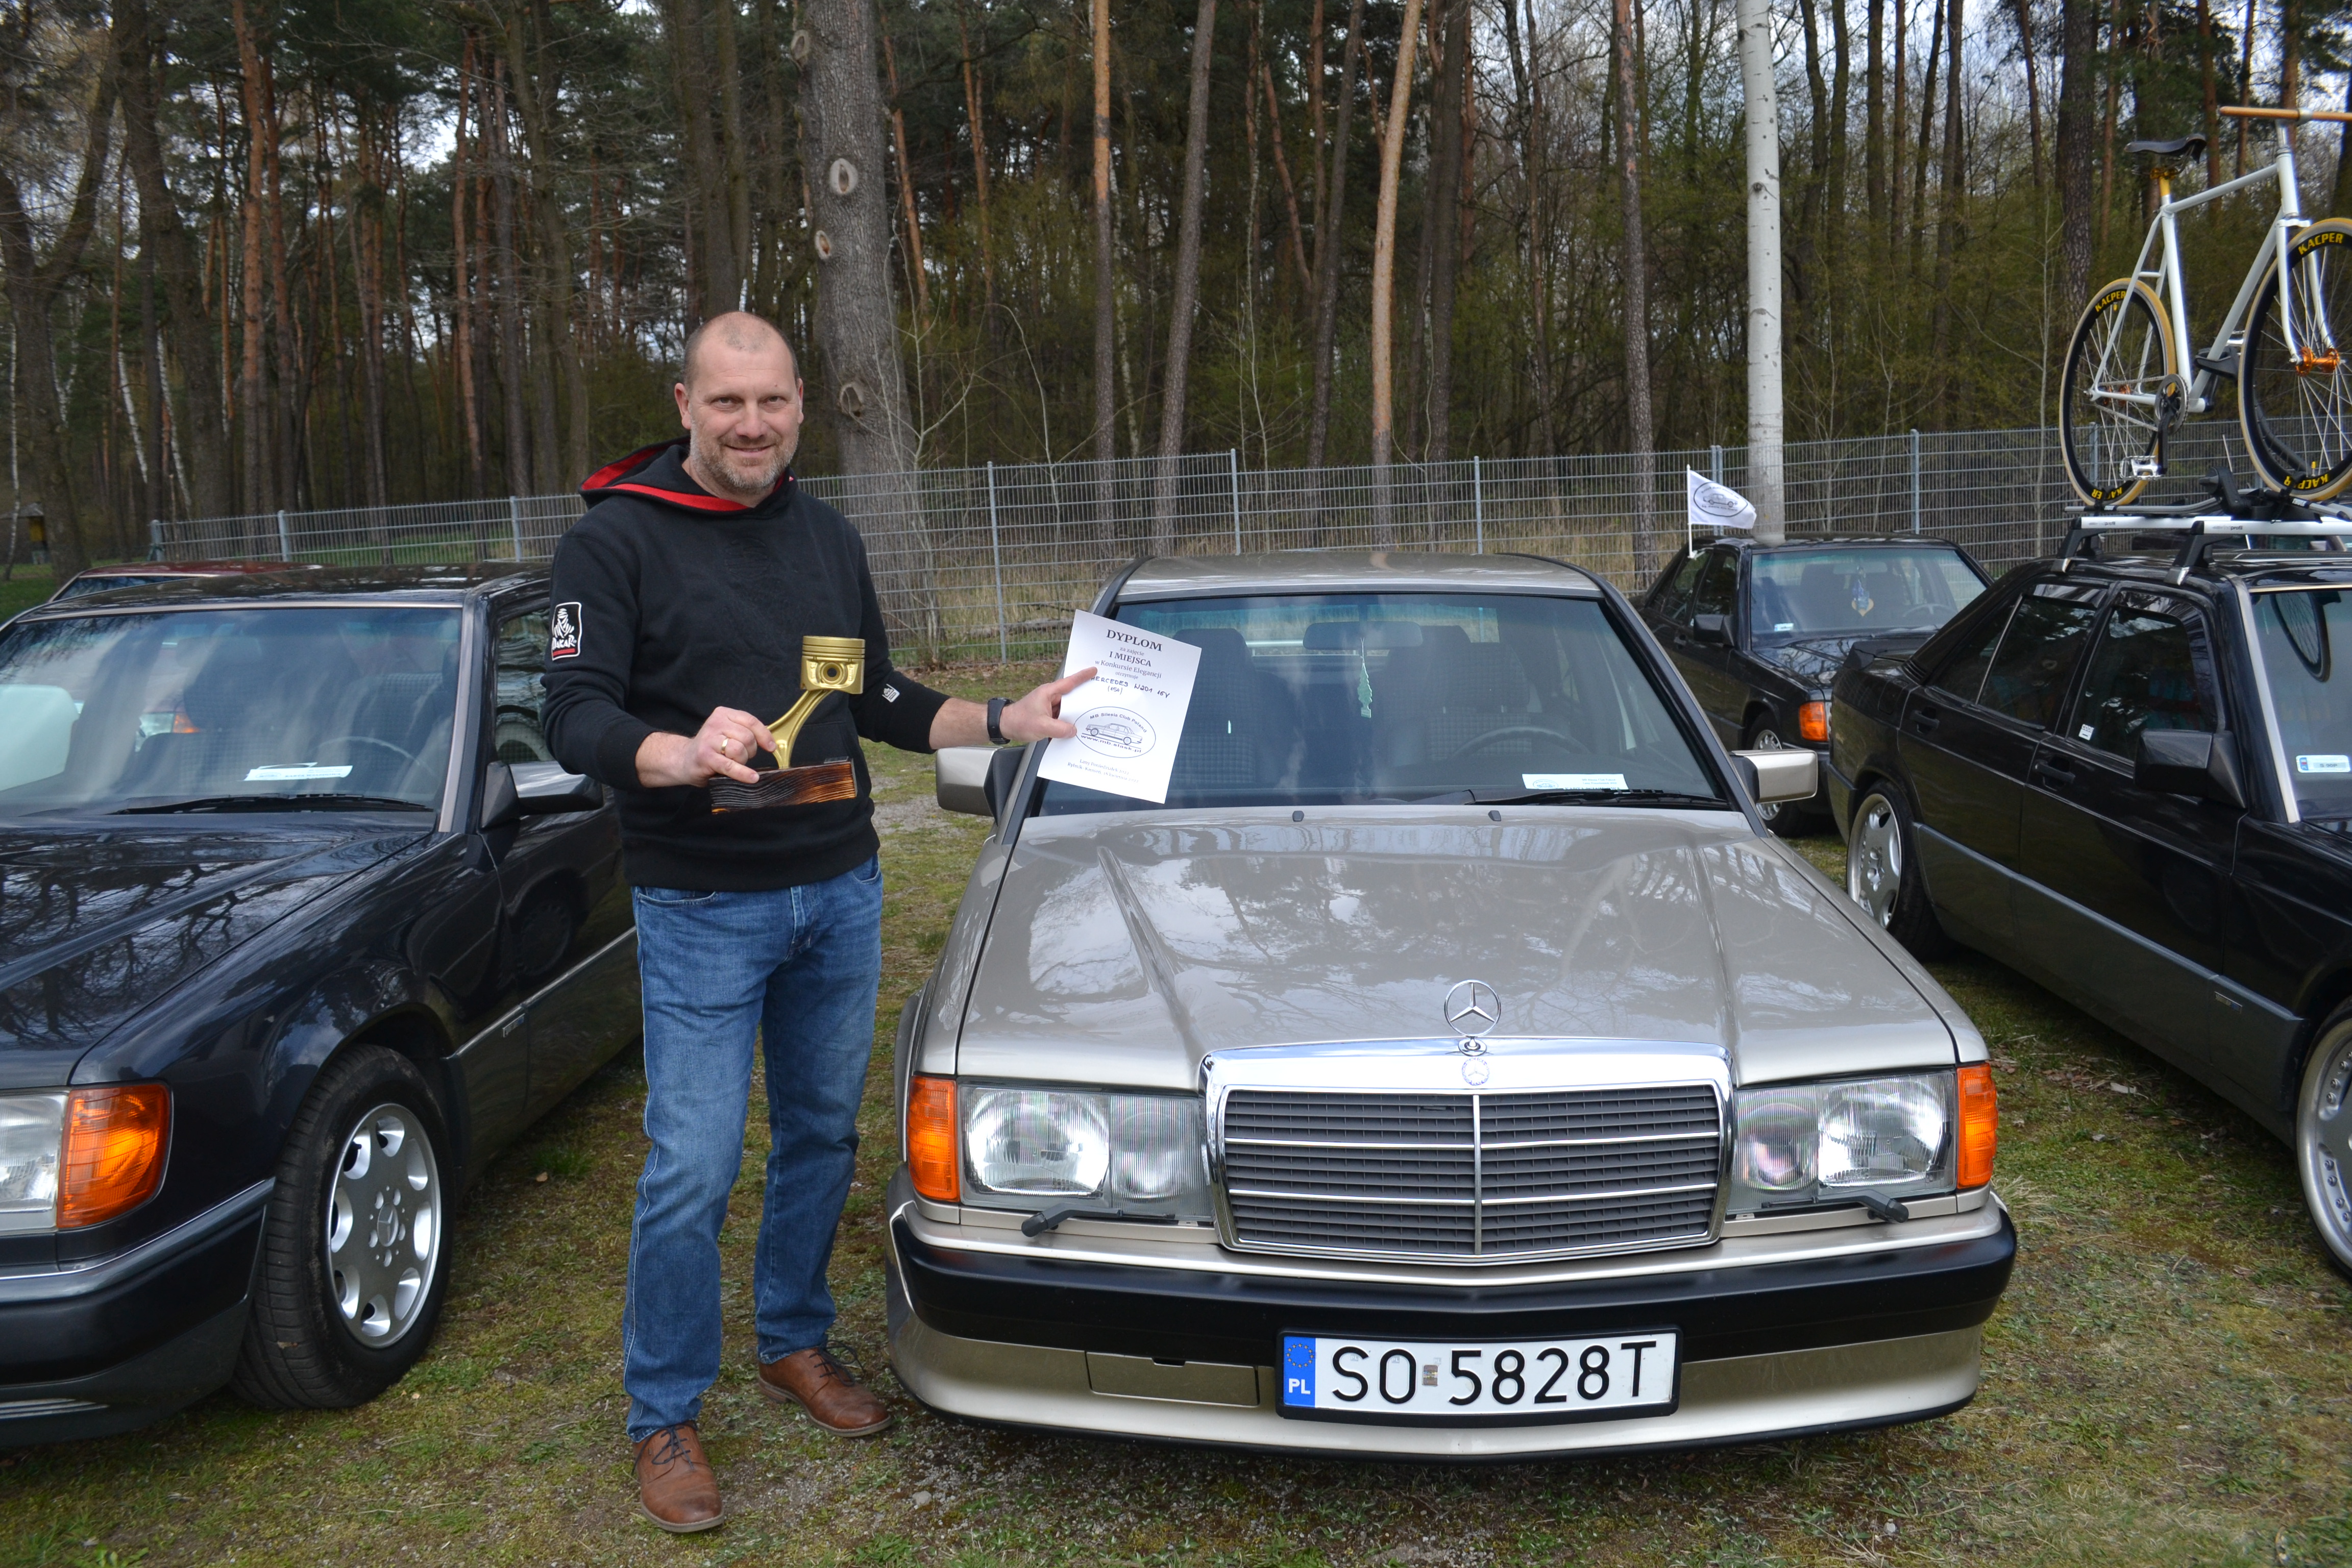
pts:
[1840, 540]
[1343, 571]
[2257, 568]
[310, 584]
[182, 568]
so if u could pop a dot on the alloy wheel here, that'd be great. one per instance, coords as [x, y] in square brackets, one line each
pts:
[1874, 867]
[384, 1225]
[2323, 1140]
[1767, 740]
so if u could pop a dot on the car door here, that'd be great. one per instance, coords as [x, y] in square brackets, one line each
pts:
[2121, 889]
[1968, 738]
[1705, 666]
[566, 927]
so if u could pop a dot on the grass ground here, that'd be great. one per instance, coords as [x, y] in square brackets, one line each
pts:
[2166, 1381]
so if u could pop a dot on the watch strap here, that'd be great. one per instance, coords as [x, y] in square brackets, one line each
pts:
[995, 717]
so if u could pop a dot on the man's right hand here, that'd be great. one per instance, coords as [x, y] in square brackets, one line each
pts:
[726, 743]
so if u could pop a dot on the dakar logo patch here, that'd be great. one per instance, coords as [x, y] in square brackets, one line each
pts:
[563, 632]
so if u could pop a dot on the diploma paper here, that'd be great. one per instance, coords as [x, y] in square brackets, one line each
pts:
[1129, 716]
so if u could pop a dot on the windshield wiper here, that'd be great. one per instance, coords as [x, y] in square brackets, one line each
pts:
[1575, 797]
[330, 802]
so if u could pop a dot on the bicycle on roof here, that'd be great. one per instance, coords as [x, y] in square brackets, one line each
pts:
[2125, 388]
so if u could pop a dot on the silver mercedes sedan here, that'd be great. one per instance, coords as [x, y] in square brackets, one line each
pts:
[1455, 1066]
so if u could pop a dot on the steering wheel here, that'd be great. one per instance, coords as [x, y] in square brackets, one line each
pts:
[1507, 732]
[369, 741]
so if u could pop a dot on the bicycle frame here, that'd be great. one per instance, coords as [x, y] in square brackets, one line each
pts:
[2168, 278]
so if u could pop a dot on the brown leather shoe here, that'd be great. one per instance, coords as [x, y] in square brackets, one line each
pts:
[675, 1486]
[821, 1386]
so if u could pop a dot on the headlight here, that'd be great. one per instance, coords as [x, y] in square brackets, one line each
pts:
[1029, 1148]
[32, 1135]
[1794, 1144]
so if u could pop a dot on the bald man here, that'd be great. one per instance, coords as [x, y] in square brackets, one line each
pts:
[681, 599]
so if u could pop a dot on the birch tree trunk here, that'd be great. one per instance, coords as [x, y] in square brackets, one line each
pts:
[1186, 299]
[1384, 281]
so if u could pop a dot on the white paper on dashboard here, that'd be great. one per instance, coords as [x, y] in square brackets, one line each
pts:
[1130, 716]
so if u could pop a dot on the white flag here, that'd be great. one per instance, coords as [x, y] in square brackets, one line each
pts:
[1717, 506]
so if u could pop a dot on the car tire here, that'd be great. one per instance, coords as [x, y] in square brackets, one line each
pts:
[1882, 873]
[2323, 1137]
[354, 1246]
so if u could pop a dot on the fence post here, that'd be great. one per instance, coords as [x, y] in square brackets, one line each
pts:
[514, 523]
[1915, 481]
[285, 540]
[996, 556]
[1714, 462]
[154, 539]
[1478, 501]
[1233, 468]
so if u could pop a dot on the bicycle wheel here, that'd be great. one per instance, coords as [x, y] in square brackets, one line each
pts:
[2120, 364]
[2294, 374]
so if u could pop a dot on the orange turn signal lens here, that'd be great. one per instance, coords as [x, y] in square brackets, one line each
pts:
[115, 1143]
[1813, 721]
[1980, 1125]
[931, 1140]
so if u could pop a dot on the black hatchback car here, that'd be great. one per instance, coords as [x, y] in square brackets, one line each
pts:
[2131, 779]
[1759, 630]
[299, 924]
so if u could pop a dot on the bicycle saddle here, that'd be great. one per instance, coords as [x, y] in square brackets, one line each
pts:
[2179, 147]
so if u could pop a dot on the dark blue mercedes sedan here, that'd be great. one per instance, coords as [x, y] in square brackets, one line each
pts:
[299, 924]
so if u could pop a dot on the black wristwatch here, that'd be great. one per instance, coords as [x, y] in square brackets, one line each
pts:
[995, 714]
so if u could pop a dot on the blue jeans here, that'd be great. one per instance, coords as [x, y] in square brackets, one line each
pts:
[799, 967]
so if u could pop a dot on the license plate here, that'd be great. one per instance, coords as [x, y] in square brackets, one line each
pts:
[1494, 1381]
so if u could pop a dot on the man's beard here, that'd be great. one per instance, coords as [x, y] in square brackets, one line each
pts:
[779, 457]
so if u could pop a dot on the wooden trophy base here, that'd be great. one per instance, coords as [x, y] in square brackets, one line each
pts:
[810, 786]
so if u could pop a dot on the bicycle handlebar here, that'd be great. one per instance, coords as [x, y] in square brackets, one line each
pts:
[2241, 111]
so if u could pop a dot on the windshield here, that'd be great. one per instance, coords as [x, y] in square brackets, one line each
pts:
[2298, 633]
[1800, 594]
[227, 709]
[1346, 698]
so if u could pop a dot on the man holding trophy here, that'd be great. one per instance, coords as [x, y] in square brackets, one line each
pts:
[701, 591]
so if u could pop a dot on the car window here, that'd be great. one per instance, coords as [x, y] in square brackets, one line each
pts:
[232, 709]
[2151, 669]
[2295, 634]
[1673, 597]
[516, 734]
[1353, 698]
[1718, 592]
[1962, 670]
[2039, 651]
[1799, 594]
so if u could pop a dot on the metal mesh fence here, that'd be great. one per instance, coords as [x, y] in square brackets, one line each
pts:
[989, 562]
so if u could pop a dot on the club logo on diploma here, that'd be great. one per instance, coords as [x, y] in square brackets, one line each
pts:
[1130, 716]
[827, 664]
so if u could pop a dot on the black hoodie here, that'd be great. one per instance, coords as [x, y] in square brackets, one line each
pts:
[671, 602]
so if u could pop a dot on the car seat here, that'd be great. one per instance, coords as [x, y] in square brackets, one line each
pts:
[1221, 748]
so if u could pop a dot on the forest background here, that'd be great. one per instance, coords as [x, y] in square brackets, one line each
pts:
[312, 253]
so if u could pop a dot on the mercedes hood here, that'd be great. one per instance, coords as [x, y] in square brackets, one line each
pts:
[1124, 948]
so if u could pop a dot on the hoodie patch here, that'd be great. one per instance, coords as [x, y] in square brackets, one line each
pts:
[563, 631]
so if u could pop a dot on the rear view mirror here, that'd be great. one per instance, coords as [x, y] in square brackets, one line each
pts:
[975, 780]
[2190, 762]
[1774, 778]
[1711, 628]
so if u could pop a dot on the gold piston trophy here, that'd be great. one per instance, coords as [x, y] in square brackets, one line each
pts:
[827, 664]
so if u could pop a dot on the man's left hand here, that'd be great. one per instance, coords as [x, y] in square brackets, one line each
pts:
[1036, 717]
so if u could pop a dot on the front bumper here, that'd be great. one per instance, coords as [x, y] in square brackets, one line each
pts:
[1846, 1336]
[88, 1351]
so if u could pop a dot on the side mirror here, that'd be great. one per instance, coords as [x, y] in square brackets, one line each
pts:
[1713, 629]
[545, 789]
[962, 778]
[1792, 772]
[2190, 762]
[1003, 769]
[501, 806]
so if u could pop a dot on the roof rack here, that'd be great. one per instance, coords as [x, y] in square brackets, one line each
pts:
[2227, 514]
